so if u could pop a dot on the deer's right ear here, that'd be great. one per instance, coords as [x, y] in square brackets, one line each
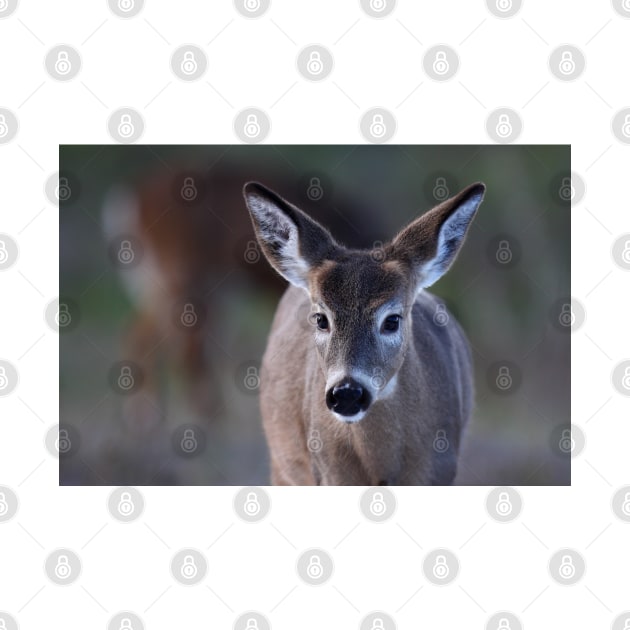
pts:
[430, 243]
[292, 242]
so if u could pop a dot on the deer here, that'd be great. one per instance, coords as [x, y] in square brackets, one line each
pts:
[376, 389]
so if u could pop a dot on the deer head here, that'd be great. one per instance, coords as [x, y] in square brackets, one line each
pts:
[361, 300]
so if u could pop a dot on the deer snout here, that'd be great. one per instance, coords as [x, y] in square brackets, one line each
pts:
[348, 398]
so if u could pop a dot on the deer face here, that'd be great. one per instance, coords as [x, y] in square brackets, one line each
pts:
[361, 300]
[360, 315]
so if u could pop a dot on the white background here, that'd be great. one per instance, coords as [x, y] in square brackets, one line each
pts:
[252, 63]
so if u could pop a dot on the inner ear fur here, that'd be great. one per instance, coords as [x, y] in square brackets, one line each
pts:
[430, 243]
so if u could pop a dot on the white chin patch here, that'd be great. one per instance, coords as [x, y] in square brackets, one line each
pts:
[349, 419]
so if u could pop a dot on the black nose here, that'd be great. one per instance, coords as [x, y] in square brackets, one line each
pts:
[347, 398]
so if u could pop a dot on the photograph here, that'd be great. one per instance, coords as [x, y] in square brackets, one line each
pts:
[315, 315]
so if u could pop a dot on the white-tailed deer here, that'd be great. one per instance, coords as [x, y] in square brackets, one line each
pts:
[379, 388]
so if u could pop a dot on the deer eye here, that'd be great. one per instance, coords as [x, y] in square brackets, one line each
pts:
[391, 323]
[322, 321]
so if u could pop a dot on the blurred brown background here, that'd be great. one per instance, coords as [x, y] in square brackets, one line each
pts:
[166, 302]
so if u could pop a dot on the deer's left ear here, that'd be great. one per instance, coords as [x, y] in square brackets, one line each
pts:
[430, 244]
[292, 242]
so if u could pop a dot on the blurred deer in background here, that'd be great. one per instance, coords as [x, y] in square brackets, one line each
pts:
[191, 249]
[378, 391]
